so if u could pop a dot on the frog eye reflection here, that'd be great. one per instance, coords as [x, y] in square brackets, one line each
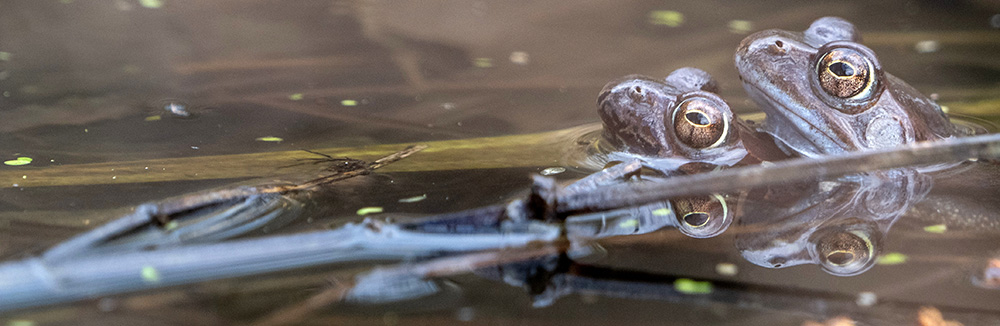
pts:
[702, 217]
[845, 73]
[845, 252]
[700, 123]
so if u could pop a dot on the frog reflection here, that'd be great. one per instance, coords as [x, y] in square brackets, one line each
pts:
[697, 217]
[837, 225]
[826, 93]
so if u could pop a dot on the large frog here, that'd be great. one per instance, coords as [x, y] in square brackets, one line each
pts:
[675, 121]
[825, 93]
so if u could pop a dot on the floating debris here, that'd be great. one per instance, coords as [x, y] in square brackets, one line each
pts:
[18, 161]
[349, 103]
[153, 118]
[269, 138]
[553, 170]
[150, 274]
[154, 4]
[937, 228]
[413, 199]
[369, 210]
[835, 321]
[892, 258]
[689, 286]
[995, 21]
[930, 316]
[866, 299]
[519, 58]
[988, 279]
[296, 96]
[661, 212]
[927, 46]
[726, 269]
[668, 18]
[483, 62]
[740, 26]
[4, 56]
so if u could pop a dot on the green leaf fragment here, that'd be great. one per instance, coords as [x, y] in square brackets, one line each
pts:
[349, 103]
[20, 322]
[892, 258]
[153, 118]
[369, 210]
[628, 224]
[18, 161]
[483, 62]
[269, 138]
[689, 286]
[661, 212]
[4, 56]
[413, 199]
[668, 18]
[937, 228]
[150, 274]
[151, 3]
[296, 96]
[740, 26]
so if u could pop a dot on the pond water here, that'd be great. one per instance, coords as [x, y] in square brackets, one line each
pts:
[123, 102]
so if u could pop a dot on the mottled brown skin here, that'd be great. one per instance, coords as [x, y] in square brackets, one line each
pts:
[825, 93]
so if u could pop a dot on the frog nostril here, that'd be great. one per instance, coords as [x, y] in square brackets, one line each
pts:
[779, 43]
[637, 94]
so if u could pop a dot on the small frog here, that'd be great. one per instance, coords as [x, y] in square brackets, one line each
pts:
[825, 93]
[671, 122]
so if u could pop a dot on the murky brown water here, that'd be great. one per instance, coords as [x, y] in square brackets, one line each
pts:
[88, 82]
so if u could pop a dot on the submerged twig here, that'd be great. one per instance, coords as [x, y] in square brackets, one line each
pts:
[163, 213]
[352, 171]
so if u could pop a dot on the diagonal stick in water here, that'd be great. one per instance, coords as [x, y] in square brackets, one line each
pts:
[917, 154]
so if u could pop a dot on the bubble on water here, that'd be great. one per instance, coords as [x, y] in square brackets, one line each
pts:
[553, 170]
[927, 46]
[465, 314]
[519, 57]
[175, 107]
[866, 299]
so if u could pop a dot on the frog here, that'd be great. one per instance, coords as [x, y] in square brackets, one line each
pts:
[674, 121]
[825, 93]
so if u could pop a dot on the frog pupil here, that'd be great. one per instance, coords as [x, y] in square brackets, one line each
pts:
[697, 118]
[840, 257]
[842, 69]
[696, 219]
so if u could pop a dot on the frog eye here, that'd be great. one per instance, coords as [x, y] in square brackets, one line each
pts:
[702, 217]
[847, 71]
[701, 122]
